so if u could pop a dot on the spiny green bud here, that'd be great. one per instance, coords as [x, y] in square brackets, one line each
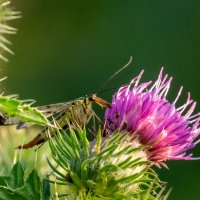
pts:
[111, 167]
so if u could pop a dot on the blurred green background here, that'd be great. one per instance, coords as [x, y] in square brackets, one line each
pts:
[67, 49]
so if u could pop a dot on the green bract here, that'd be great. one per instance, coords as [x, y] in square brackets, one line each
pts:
[106, 168]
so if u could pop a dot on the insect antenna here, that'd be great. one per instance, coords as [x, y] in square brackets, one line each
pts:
[115, 74]
[106, 90]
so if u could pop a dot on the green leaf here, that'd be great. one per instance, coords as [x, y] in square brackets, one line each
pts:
[8, 105]
[33, 185]
[34, 188]
[15, 178]
[3, 180]
[45, 190]
[16, 175]
[24, 112]
[15, 187]
[7, 194]
[29, 114]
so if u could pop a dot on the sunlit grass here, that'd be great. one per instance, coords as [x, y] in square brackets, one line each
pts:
[10, 138]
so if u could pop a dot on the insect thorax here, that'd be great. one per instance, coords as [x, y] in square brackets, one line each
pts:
[78, 114]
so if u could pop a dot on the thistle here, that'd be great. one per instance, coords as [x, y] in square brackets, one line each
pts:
[106, 168]
[166, 131]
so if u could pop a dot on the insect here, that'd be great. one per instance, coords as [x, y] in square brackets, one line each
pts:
[68, 114]
[75, 113]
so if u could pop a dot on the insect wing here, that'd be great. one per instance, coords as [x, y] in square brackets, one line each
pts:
[5, 120]
[53, 109]
[48, 110]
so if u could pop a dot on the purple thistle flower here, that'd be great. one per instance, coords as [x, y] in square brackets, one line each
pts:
[166, 132]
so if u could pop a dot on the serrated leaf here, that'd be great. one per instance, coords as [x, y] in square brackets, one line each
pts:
[6, 193]
[13, 108]
[8, 105]
[3, 181]
[33, 186]
[15, 187]
[16, 175]
[15, 178]
[29, 114]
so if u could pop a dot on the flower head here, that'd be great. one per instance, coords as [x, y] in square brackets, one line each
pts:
[166, 131]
